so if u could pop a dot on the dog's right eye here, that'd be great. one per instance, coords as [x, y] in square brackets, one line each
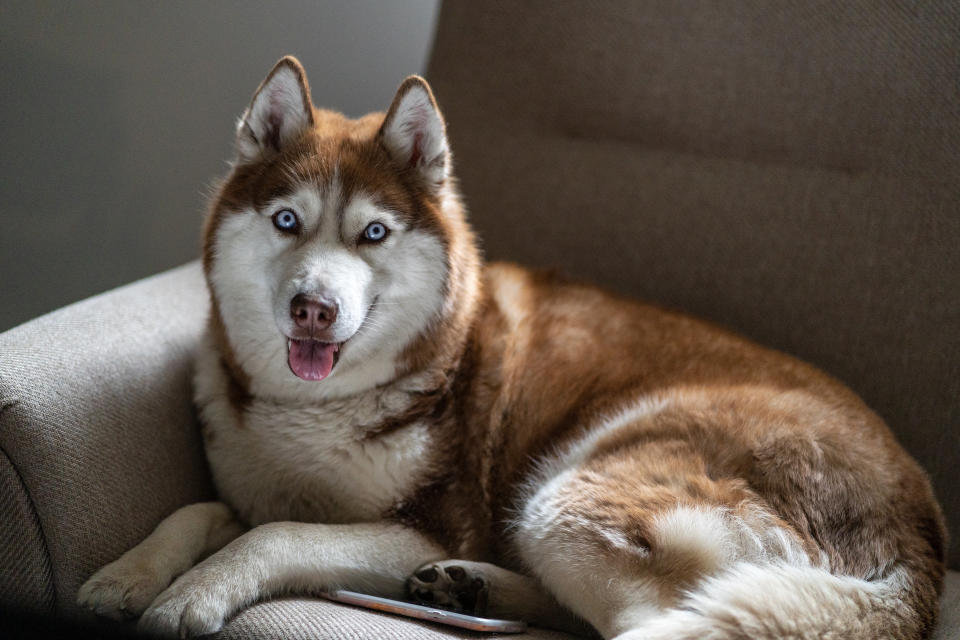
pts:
[286, 220]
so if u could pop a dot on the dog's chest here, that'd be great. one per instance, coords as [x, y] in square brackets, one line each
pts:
[317, 464]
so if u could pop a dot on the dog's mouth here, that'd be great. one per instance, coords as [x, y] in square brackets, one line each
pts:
[311, 359]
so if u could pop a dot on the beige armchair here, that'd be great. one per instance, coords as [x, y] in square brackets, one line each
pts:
[790, 170]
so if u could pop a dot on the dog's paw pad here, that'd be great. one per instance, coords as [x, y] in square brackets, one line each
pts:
[451, 584]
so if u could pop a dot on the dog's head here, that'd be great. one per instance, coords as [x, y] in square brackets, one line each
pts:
[336, 250]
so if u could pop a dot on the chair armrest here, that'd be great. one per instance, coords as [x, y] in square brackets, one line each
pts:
[98, 434]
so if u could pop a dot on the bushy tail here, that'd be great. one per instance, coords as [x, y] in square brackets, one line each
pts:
[779, 601]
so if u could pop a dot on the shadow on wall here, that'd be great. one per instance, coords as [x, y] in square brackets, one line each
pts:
[116, 117]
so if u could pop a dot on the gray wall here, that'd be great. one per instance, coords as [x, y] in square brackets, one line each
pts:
[115, 117]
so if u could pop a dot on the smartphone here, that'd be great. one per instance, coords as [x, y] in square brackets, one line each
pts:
[426, 613]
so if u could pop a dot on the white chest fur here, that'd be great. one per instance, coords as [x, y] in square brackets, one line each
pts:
[312, 463]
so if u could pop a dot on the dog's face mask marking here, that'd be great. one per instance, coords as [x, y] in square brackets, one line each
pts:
[330, 274]
[333, 271]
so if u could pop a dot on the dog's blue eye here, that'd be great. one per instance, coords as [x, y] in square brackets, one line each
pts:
[375, 232]
[286, 220]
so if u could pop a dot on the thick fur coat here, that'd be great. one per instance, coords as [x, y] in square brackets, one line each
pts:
[384, 412]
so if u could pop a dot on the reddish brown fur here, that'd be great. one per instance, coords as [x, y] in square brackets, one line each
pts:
[526, 361]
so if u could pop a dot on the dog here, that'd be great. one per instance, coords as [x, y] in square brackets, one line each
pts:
[384, 412]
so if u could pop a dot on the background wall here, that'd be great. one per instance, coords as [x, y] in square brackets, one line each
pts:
[115, 117]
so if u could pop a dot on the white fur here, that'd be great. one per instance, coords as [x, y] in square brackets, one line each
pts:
[416, 127]
[556, 545]
[572, 570]
[126, 586]
[575, 572]
[554, 542]
[301, 451]
[278, 103]
[310, 462]
[753, 535]
[554, 470]
[697, 532]
[257, 271]
[718, 537]
[285, 557]
[777, 600]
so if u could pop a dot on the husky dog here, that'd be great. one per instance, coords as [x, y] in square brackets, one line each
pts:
[383, 412]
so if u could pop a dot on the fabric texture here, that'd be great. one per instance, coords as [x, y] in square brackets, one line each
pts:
[788, 170]
[24, 564]
[949, 626]
[309, 619]
[98, 423]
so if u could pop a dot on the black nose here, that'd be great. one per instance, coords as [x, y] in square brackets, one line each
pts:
[312, 313]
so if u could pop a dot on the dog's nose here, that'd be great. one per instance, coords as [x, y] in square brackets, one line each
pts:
[312, 313]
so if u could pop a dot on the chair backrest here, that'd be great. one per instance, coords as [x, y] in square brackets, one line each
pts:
[789, 170]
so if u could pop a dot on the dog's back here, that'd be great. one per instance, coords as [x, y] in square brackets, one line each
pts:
[376, 400]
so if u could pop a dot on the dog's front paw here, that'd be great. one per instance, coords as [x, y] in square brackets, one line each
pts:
[190, 607]
[451, 584]
[122, 589]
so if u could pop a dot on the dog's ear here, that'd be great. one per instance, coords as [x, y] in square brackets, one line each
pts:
[414, 134]
[279, 112]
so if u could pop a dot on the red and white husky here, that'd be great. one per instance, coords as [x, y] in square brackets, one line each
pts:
[385, 413]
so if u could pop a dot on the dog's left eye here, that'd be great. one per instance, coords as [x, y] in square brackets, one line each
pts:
[375, 232]
[286, 220]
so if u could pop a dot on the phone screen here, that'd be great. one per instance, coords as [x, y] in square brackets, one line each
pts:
[426, 613]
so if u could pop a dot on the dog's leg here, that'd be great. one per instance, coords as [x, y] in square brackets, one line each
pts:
[621, 537]
[288, 557]
[125, 587]
[486, 590]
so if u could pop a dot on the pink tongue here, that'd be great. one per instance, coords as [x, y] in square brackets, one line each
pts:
[311, 360]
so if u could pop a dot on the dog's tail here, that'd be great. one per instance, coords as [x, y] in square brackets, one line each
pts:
[764, 602]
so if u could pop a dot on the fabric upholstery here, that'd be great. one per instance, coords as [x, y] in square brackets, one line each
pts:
[104, 457]
[24, 564]
[788, 170]
[302, 619]
[949, 627]
[308, 619]
[98, 423]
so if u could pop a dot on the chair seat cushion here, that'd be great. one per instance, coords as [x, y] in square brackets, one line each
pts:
[309, 619]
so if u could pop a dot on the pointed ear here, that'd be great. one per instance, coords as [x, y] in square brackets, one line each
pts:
[279, 112]
[414, 134]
